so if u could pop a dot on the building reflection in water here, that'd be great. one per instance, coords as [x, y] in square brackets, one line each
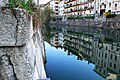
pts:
[104, 53]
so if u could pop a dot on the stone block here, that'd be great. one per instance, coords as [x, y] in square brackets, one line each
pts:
[13, 27]
[4, 3]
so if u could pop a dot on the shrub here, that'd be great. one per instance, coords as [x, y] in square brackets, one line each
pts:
[27, 5]
[109, 15]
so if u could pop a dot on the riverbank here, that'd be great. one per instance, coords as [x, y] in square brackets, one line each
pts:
[101, 22]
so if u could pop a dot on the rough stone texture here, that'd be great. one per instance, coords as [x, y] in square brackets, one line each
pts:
[4, 3]
[21, 49]
[113, 23]
[13, 28]
[7, 28]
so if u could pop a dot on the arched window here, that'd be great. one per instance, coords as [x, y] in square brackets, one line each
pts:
[115, 6]
[109, 4]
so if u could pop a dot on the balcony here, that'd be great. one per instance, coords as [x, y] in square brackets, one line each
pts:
[88, 1]
[67, 1]
[77, 4]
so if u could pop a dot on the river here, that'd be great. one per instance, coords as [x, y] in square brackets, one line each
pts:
[77, 55]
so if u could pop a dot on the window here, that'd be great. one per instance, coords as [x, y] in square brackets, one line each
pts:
[115, 6]
[109, 11]
[109, 4]
[105, 5]
[90, 11]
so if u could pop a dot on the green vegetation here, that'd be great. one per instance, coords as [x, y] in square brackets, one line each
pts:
[106, 40]
[27, 5]
[30, 7]
[109, 15]
[45, 16]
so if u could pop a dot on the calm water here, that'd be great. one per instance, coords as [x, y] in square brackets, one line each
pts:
[83, 55]
[61, 66]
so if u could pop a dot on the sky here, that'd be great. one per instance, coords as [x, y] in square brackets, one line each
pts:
[44, 1]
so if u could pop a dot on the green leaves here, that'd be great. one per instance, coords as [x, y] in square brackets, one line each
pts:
[26, 6]
[21, 4]
[12, 3]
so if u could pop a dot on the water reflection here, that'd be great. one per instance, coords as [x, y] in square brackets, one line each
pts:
[102, 48]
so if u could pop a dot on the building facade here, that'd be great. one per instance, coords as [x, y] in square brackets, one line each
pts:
[79, 7]
[54, 6]
[88, 7]
[61, 8]
[102, 6]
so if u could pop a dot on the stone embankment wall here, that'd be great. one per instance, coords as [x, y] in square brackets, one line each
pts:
[100, 23]
[109, 28]
[21, 48]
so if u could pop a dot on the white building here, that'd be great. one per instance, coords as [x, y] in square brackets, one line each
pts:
[61, 8]
[54, 6]
[79, 7]
[102, 6]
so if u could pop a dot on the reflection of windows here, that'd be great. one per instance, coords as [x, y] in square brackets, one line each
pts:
[110, 64]
[112, 47]
[102, 54]
[100, 70]
[114, 66]
[104, 64]
[115, 57]
[115, 6]
[106, 47]
[98, 62]
[105, 55]
[104, 72]
[117, 49]
[99, 54]
[111, 56]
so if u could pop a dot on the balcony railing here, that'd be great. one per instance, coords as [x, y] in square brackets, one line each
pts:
[79, 9]
[77, 4]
